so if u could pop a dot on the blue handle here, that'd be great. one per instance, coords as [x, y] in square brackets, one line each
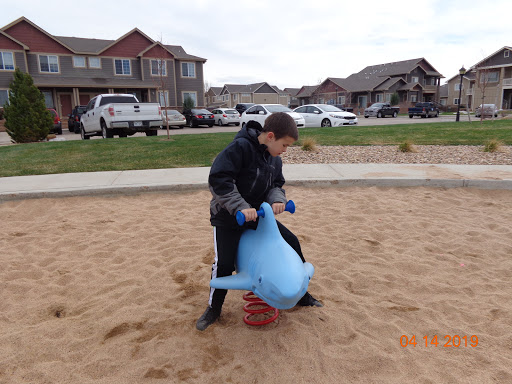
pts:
[240, 217]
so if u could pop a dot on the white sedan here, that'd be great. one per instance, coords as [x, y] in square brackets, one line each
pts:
[226, 116]
[260, 112]
[175, 119]
[325, 115]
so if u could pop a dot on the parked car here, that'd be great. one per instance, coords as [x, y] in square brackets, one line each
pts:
[196, 117]
[260, 112]
[242, 107]
[487, 110]
[57, 124]
[226, 116]
[381, 110]
[175, 119]
[325, 115]
[74, 118]
[428, 109]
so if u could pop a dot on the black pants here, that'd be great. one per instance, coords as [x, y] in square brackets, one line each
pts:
[226, 246]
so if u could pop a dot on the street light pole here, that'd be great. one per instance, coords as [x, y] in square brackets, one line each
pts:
[462, 72]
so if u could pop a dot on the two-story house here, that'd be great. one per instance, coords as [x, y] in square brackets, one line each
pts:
[69, 71]
[487, 82]
[413, 80]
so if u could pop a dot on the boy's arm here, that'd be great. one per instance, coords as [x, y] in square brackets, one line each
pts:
[222, 179]
[277, 193]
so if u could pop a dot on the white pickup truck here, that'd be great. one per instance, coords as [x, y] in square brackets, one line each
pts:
[119, 114]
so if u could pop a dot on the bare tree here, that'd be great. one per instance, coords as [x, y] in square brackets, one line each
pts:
[161, 81]
[482, 80]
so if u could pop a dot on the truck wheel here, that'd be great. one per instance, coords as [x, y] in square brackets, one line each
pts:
[437, 114]
[410, 116]
[395, 114]
[379, 114]
[106, 133]
[366, 116]
[82, 133]
[326, 123]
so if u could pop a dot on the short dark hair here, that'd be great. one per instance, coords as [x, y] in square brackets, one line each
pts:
[282, 125]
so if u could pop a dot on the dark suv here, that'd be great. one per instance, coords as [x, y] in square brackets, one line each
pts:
[197, 117]
[241, 107]
[74, 118]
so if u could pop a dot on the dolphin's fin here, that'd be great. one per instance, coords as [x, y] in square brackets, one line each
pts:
[240, 281]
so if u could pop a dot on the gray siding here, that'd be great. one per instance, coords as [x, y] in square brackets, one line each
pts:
[499, 59]
[266, 89]
[190, 85]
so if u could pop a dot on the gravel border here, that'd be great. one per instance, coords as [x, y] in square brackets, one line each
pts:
[426, 154]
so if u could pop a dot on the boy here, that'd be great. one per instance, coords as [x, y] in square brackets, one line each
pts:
[244, 175]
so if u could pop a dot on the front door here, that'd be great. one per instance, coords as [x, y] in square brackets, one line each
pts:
[65, 105]
[362, 100]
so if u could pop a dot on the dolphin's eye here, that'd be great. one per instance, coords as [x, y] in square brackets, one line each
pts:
[260, 279]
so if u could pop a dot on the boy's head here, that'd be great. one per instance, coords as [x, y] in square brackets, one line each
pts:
[282, 125]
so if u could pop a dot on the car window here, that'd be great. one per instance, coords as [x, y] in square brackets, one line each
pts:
[231, 111]
[172, 112]
[259, 108]
[330, 108]
[251, 110]
[277, 108]
[201, 111]
[117, 99]
[91, 104]
[301, 110]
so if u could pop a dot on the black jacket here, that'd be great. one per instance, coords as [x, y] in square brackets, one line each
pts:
[244, 175]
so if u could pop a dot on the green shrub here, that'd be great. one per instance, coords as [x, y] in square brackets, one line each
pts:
[26, 117]
[407, 146]
[493, 146]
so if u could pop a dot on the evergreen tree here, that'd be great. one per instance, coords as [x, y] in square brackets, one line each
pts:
[26, 117]
[395, 99]
[188, 103]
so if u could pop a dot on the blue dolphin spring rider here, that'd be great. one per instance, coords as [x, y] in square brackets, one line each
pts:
[267, 265]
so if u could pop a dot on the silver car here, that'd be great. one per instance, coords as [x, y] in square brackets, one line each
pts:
[487, 110]
[226, 116]
[175, 119]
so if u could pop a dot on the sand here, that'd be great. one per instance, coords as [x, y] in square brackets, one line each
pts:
[108, 290]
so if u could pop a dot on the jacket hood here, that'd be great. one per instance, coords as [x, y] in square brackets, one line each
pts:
[251, 131]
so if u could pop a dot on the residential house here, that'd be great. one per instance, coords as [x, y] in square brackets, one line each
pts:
[305, 94]
[413, 80]
[294, 102]
[487, 82]
[258, 93]
[70, 71]
[213, 99]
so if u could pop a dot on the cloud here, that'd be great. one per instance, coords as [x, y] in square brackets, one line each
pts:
[290, 43]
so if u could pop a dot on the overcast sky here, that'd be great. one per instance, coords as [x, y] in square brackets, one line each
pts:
[289, 43]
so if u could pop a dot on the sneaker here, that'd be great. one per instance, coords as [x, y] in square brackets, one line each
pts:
[209, 317]
[309, 301]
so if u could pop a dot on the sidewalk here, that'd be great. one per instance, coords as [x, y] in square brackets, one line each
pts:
[383, 175]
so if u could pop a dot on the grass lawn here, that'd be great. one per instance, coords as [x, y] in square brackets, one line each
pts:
[200, 150]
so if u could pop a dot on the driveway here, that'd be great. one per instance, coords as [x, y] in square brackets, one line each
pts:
[66, 135]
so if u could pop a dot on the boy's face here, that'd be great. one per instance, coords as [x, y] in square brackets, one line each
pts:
[277, 147]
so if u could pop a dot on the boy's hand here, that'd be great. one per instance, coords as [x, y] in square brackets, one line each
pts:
[250, 214]
[278, 208]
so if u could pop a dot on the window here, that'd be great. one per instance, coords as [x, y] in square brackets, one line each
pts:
[301, 110]
[6, 61]
[122, 67]
[414, 98]
[456, 87]
[163, 98]
[188, 69]
[415, 79]
[341, 100]
[49, 64]
[379, 98]
[48, 99]
[94, 62]
[433, 81]
[234, 96]
[443, 101]
[78, 61]
[456, 101]
[246, 95]
[158, 67]
[191, 95]
[4, 97]
[388, 97]
[506, 53]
